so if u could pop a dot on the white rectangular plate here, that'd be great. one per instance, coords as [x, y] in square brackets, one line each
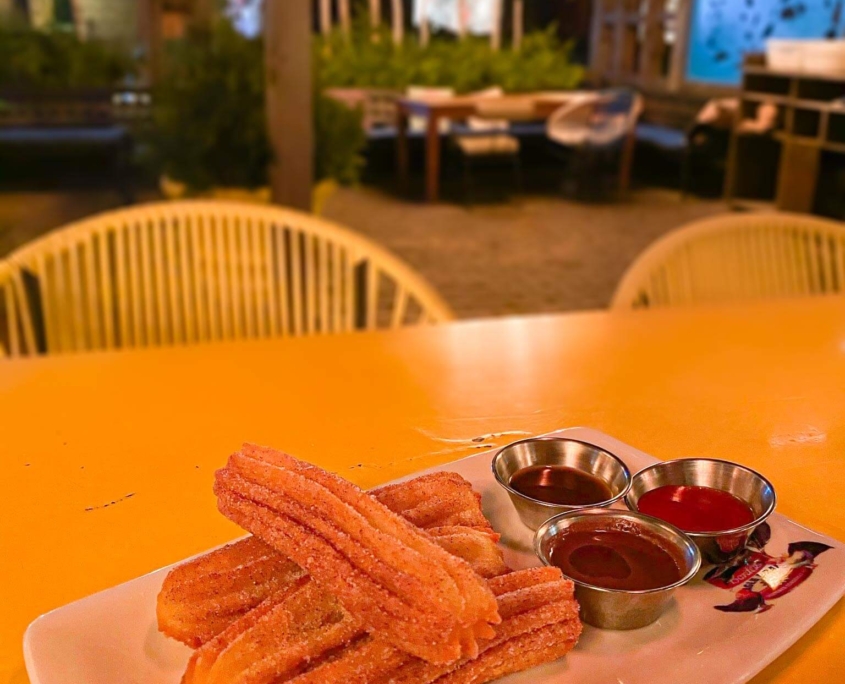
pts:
[112, 637]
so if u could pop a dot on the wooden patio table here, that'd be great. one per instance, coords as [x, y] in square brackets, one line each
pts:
[107, 458]
[542, 106]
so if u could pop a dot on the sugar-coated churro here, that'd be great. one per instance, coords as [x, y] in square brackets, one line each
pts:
[435, 500]
[203, 596]
[303, 637]
[382, 569]
[402, 585]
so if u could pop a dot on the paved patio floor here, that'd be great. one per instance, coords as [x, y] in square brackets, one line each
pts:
[530, 255]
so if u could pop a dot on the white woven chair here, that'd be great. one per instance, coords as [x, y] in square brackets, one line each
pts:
[737, 256]
[592, 123]
[197, 271]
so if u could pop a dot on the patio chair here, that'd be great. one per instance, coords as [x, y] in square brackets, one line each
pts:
[737, 256]
[8, 310]
[699, 149]
[487, 136]
[597, 127]
[196, 271]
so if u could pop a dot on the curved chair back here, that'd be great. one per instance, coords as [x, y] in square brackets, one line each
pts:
[615, 116]
[8, 311]
[596, 118]
[197, 271]
[737, 256]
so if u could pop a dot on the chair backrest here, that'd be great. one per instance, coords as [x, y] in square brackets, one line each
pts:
[8, 310]
[615, 116]
[596, 118]
[737, 256]
[196, 271]
[569, 124]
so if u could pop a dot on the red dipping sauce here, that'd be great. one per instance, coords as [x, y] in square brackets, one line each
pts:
[696, 509]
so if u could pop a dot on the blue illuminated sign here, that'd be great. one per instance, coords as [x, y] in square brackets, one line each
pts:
[723, 31]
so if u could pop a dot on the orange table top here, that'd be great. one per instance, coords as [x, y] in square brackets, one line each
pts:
[761, 384]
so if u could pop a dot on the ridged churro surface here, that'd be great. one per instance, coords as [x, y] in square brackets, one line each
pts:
[386, 573]
[203, 596]
[402, 585]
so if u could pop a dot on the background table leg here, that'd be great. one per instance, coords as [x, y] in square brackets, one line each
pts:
[432, 158]
[402, 163]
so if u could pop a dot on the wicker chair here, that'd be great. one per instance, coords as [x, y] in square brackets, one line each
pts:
[197, 271]
[737, 256]
[596, 127]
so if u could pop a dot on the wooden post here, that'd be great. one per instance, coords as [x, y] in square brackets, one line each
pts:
[496, 28]
[462, 18]
[398, 20]
[345, 17]
[290, 121]
[149, 32]
[204, 12]
[79, 19]
[375, 13]
[598, 51]
[518, 23]
[325, 16]
[683, 28]
[650, 52]
[425, 27]
[402, 146]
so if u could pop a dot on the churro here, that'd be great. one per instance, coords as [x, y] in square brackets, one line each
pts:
[435, 500]
[305, 638]
[203, 596]
[384, 571]
[404, 585]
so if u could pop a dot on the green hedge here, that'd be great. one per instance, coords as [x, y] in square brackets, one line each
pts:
[57, 60]
[372, 60]
[209, 124]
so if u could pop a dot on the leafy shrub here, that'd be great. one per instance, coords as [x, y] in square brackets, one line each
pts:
[209, 125]
[367, 61]
[39, 60]
[339, 140]
[209, 121]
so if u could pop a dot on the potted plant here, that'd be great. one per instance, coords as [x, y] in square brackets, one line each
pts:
[209, 127]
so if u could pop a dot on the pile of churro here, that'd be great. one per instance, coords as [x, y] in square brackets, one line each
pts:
[401, 584]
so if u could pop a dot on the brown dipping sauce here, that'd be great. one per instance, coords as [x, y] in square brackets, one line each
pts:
[560, 485]
[614, 559]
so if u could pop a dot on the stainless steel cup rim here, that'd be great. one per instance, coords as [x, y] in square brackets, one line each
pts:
[712, 533]
[647, 521]
[608, 502]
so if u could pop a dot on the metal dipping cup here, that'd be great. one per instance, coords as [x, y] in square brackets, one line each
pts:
[717, 546]
[620, 608]
[559, 451]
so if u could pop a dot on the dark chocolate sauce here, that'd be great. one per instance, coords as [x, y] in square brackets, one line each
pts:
[614, 559]
[560, 485]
